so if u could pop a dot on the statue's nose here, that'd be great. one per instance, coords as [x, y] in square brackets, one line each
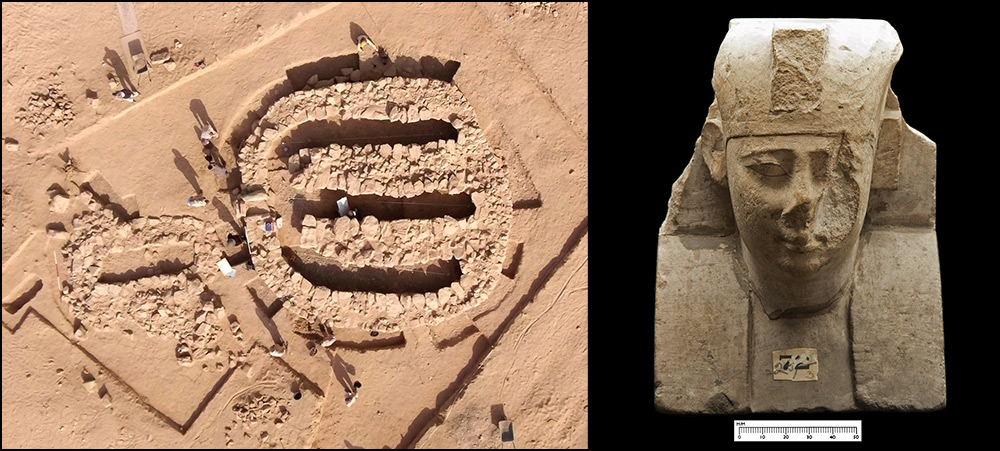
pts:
[799, 216]
[800, 212]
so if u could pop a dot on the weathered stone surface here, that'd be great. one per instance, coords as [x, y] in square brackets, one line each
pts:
[912, 203]
[697, 204]
[701, 347]
[57, 233]
[885, 173]
[827, 332]
[374, 112]
[803, 159]
[59, 203]
[309, 221]
[897, 320]
[369, 227]
[308, 239]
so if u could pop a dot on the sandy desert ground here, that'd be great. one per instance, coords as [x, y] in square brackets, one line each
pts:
[458, 297]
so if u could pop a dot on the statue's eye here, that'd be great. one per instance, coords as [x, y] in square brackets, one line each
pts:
[768, 169]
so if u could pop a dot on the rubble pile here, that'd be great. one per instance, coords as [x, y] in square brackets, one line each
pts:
[466, 164]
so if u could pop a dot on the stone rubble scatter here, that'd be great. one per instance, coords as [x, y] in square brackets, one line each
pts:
[534, 8]
[256, 408]
[463, 165]
[45, 109]
[165, 305]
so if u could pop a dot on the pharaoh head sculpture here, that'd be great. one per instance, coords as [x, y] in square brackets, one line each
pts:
[784, 240]
[794, 135]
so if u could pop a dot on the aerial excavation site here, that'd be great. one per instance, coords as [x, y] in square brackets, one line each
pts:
[295, 225]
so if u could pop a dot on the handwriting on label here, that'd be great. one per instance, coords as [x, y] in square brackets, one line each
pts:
[798, 364]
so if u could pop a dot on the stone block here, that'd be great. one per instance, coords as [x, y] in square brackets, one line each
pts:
[308, 239]
[897, 321]
[700, 356]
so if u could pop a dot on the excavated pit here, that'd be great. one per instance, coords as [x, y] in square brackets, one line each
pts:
[359, 132]
[419, 278]
[430, 196]
[384, 208]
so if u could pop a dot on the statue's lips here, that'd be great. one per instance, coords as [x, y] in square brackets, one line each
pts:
[801, 244]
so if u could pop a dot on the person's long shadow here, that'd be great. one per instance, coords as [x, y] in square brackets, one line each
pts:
[357, 31]
[225, 214]
[342, 370]
[268, 322]
[185, 167]
[112, 59]
[427, 67]
[201, 116]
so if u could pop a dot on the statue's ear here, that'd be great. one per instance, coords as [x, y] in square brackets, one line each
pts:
[712, 147]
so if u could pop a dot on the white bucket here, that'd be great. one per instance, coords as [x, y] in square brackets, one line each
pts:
[342, 206]
[226, 268]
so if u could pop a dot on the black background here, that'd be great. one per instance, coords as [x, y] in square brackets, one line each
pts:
[650, 88]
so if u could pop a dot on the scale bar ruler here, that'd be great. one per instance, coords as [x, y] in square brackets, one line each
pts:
[797, 431]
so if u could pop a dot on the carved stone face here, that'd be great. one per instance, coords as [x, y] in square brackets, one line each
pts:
[799, 200]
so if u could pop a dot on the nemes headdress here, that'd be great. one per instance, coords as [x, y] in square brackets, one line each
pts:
[807, 76]
[785, 76]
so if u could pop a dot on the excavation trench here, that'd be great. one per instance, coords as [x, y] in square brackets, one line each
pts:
[164, 267]
[420, 278]
[359, 132]
[384, 208]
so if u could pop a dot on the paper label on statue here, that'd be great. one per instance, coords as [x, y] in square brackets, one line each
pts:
[798, 364]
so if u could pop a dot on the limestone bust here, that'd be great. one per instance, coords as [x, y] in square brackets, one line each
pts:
[805, 221]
